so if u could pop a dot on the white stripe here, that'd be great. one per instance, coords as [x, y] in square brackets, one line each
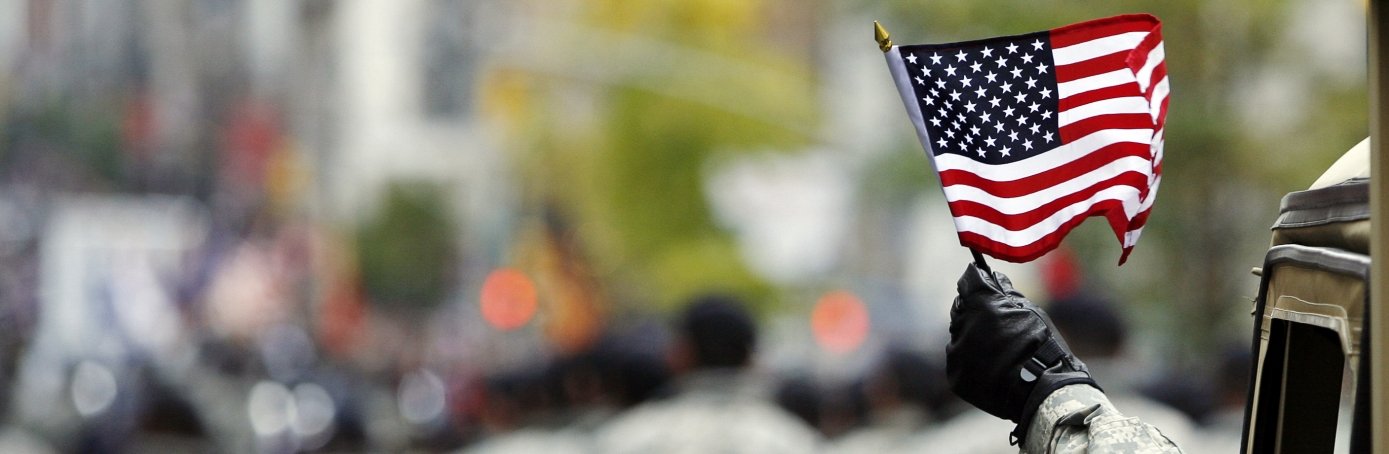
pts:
[1100, 47]
[1159, 94]
[1125, 194]
[1110, 106]
[1158, 141]
[1145, 74]
[1116, 77]
[1031, 201]
[904, 89]
[1044, 161]
[1131, 237]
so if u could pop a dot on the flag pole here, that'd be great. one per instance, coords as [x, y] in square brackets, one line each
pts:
[885, 44]
[980, 263]
[880, 34]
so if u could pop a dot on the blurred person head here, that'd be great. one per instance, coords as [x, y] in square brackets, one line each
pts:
[1091, 326]
[514, 399]
[714, 332]
[905, 378]
[800, 396]
[1232, 384]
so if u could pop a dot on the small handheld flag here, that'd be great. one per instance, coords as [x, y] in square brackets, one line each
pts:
[1032, 134]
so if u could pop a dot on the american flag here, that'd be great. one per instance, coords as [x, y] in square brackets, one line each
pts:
[1032, 134]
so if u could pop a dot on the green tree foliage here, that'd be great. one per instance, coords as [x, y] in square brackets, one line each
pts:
[699, 78]
[406, 250]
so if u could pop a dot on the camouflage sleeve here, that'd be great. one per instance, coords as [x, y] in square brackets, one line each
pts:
[1079, 418]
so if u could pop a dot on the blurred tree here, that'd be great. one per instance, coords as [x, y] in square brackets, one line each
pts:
[625, 145]
[406, 250]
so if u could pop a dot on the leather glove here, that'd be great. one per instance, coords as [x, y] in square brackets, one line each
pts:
[1005, 356]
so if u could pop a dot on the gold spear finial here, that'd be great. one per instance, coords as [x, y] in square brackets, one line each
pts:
[880, 34]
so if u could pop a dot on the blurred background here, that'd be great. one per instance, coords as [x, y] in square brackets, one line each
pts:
[284, 225]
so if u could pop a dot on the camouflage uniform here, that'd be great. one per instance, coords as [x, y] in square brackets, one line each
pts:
[1078, 418]
[715, 411]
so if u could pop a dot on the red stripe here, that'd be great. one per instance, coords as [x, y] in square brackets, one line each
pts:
[1158, 73]
[1080, 99]
[1112, 210]
[1145, 47]
[1097, 65]
[1161, 121]
[1082, 128]
[1140, 219]
[1019, 221]
[1065, 172]
[1099, 28]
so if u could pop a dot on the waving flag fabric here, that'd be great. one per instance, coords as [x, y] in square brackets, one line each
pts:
[1032, 134]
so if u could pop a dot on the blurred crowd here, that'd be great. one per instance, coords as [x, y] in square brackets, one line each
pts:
[578, 226]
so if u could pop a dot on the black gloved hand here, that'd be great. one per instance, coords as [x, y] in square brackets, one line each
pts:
[1004, 355]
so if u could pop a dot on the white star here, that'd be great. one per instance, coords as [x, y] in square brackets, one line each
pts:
[988, 52]
[965, 81]
[1037, 44]
[919, 80]
[1020, 97]
[925, 71]
[1017, 72]
[1013, 136]
[929, 101]
[1004, 151]
[969, 106]
[954, 95]
[1027, 144]
[984, 118]
[989, 141]
[940, 83]
[960, 55]
[936, 122]
[950, 133]
[976, 66]
[969, 140]
[950, 70]
[1022, 120]
[1042, 68]
[1008, 112]
[981, 152]
[935, 59]
[934, 92]
[1047, 136]
[974, 130]
[961, 118]
[991, 76]
[979, 93]
[1012, 48]
[1001, 61]
[994, 102]
[1033, 128]
[1027, 58]
[1007, 87]
[1046, 114]
[1046, 92]
[942, 142]
[1031, 83]
[998, 126]
[1033, 107]
[911, 58]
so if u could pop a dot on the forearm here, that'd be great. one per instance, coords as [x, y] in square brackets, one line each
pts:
[1079, 418]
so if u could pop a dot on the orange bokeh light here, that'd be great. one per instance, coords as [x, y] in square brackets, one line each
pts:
[508, 299]
[839, 322]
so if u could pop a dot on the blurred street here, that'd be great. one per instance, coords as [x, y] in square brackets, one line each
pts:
[540, 225]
